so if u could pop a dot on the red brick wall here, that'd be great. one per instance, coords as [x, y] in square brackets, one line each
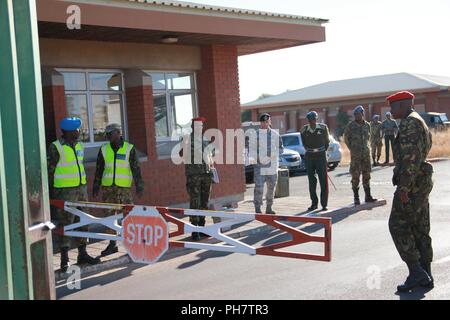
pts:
[219, 102]
[165, 182]
[54, 111]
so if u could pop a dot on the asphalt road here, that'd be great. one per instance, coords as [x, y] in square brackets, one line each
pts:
[365, 264]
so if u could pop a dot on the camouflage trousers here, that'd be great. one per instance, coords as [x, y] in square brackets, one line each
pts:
[376, 147]
[62, 218]
[360, 166]
[260, 179]
[409, 224]
[199, 189]
[116, 194]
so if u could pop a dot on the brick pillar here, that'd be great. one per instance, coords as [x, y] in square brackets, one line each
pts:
[219, 102]
[140, 115]
[431, 102]
[54, 103]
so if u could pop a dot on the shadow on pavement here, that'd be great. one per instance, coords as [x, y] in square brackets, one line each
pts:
[67, 287]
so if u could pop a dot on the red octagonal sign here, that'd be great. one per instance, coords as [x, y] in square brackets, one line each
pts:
[145, 234]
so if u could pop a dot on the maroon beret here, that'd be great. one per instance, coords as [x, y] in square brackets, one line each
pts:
[199, 119]
[402, 95]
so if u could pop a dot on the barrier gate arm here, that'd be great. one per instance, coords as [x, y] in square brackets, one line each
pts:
[213, 230]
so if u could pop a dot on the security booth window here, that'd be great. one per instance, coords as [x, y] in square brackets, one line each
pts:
[175, 104]
[96, 97]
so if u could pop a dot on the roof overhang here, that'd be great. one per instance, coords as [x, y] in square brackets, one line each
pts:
[150, 21]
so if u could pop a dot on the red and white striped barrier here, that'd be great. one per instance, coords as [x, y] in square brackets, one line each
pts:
[142, 236]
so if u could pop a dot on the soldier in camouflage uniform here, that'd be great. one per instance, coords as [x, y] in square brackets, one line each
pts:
[115, 190]
[409, 222]
[376, 136]
[198, 174]
[67, 181]
[356, 137]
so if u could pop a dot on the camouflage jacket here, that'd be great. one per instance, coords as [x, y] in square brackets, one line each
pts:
[411, 147]
[357, 137]
[376, 133]
[201, 168]
[389, 127]
[134, 166]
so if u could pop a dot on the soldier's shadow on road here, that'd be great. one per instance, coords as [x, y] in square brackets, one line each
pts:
[275, 235]
[374, 169]
[68, 286]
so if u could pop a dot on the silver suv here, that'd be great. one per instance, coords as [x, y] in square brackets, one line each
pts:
[294, 142]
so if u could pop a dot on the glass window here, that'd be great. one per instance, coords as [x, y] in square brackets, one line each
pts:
[105, 81]
[74, 81]
[99, 104]
[182, 104]
[179, 81]
[290, 141]
[106, 110]
[77, 107]
[158, 81]
[160, 109]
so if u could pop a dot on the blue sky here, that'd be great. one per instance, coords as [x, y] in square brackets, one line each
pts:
[364, 38]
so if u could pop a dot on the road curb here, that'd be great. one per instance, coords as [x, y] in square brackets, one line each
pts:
[176, 252]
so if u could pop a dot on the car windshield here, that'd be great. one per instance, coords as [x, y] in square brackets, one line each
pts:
[290, 141]
[444, 117]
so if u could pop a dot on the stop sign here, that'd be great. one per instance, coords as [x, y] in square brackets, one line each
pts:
[145, 234]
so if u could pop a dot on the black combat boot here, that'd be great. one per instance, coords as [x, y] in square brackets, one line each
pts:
[64, 259]
[110, 249]
[427, 267]
[368, 195]
[84, 257]
[313, 207]
[258, 210]
[374, 162]
[269, 210]
[417, 277]
[195, 236]
[356, 196]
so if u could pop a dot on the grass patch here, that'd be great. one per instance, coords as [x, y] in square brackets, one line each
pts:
[440, 148]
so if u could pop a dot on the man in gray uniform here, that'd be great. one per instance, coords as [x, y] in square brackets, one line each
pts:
[389, 128]
[269, 147]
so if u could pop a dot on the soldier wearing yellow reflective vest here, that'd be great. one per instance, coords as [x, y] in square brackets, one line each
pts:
[67, 181]
[117, 167]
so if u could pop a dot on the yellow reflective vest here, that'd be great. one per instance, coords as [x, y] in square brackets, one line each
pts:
[117, 169]
[69, 171]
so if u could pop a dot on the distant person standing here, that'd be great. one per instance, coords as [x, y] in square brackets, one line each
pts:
[389, 128]
[357, 137]
[316, 139]
[269, 147]
[376, 139]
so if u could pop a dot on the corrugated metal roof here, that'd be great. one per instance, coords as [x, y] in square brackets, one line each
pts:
[219, 9]
[343, 89]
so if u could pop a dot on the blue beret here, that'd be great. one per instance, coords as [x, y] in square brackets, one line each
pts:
[70, 124]
[312, 115]
[358, 109]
